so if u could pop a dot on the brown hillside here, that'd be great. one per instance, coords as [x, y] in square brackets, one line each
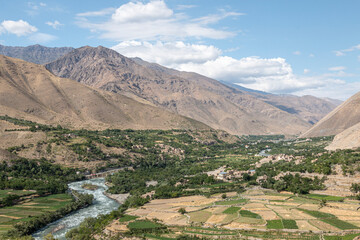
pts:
[188, 94]
[344, 116]
[29, 91]
[348, 139]
[308, 108]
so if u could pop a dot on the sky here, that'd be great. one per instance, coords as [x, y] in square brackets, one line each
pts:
[280, 46]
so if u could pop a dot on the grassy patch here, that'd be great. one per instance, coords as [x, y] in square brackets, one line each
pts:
[274, 224]
[127, 218]
[231, 210]
[346, 237]
[232, 202]
[200, 216]
[326, 197]
[330, 219]
[144, 225]
[246, 213]
[340, 223]
[25, 212]
[289, 224]
[4, 193]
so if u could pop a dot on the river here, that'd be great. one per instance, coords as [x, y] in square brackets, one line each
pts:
[101, 205]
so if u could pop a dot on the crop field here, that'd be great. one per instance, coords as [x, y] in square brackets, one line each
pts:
[256, 209]
[25, 211]
[4, 193]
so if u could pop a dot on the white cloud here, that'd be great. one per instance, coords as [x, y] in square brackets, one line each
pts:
[338, 90]
[297, 53]
[182, 7]
[170, 54]
[344, 51]
[54, 24]
[337, 68]
[271, 75]
[139, 12]
[311, 55]
[42, 38]
[19, 28]
[153, 21]
[103, 12]
[34, 8]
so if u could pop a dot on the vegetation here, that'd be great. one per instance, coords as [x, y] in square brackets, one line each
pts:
[246, 213]
[34, 224]
[231, 210]
[330, 219]
[178, 161]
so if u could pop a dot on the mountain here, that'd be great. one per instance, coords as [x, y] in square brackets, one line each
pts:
[188, 94]
[29, 91]
[309, 108]
[347, 139]
[341, 118]
[35, 53]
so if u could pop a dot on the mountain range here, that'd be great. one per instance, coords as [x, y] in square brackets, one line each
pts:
[231, 108]
[188, 94]
[29, 91]
[35, 53]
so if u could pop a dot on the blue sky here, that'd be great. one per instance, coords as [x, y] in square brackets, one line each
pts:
[296, 47]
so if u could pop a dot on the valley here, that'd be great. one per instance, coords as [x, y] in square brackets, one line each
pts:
[194, 183]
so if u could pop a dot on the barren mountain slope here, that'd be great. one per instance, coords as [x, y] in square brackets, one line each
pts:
[309, 108]
[29, 91]
[35, 53]
[348, 139]
[188, 94]
[344, 116]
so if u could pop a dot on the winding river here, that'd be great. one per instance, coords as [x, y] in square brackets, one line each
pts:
[102, 205]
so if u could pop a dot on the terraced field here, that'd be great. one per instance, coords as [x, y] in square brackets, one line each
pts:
[24, 212]
[257, 210]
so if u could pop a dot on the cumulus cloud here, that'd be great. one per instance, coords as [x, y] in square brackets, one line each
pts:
[153, 21]
[266, 74]
[139, 12]
[19, 28]
[297, 53]
[56, 24]
[170, 54]
[42, 38]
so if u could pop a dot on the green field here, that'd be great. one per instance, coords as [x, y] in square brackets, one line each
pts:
[143, 225]
[330, 219]
[4, 193]
[127, 218]
[232, 202]
[325, 197]
[274, 224]
[231, 210]
[24, 212]
[246, 213]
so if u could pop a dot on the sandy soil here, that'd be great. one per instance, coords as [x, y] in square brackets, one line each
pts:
[305, 225]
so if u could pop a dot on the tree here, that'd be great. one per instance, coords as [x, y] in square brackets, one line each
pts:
[182, 210]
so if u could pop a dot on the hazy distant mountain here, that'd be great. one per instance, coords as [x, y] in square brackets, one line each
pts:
[341, 118]
[308, 108]
[188, 94]
[35, 53]
[29, 91]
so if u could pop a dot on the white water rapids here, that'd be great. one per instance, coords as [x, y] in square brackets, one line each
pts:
[101, 205]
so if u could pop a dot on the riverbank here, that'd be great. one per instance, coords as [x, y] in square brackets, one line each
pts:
[120, 198]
